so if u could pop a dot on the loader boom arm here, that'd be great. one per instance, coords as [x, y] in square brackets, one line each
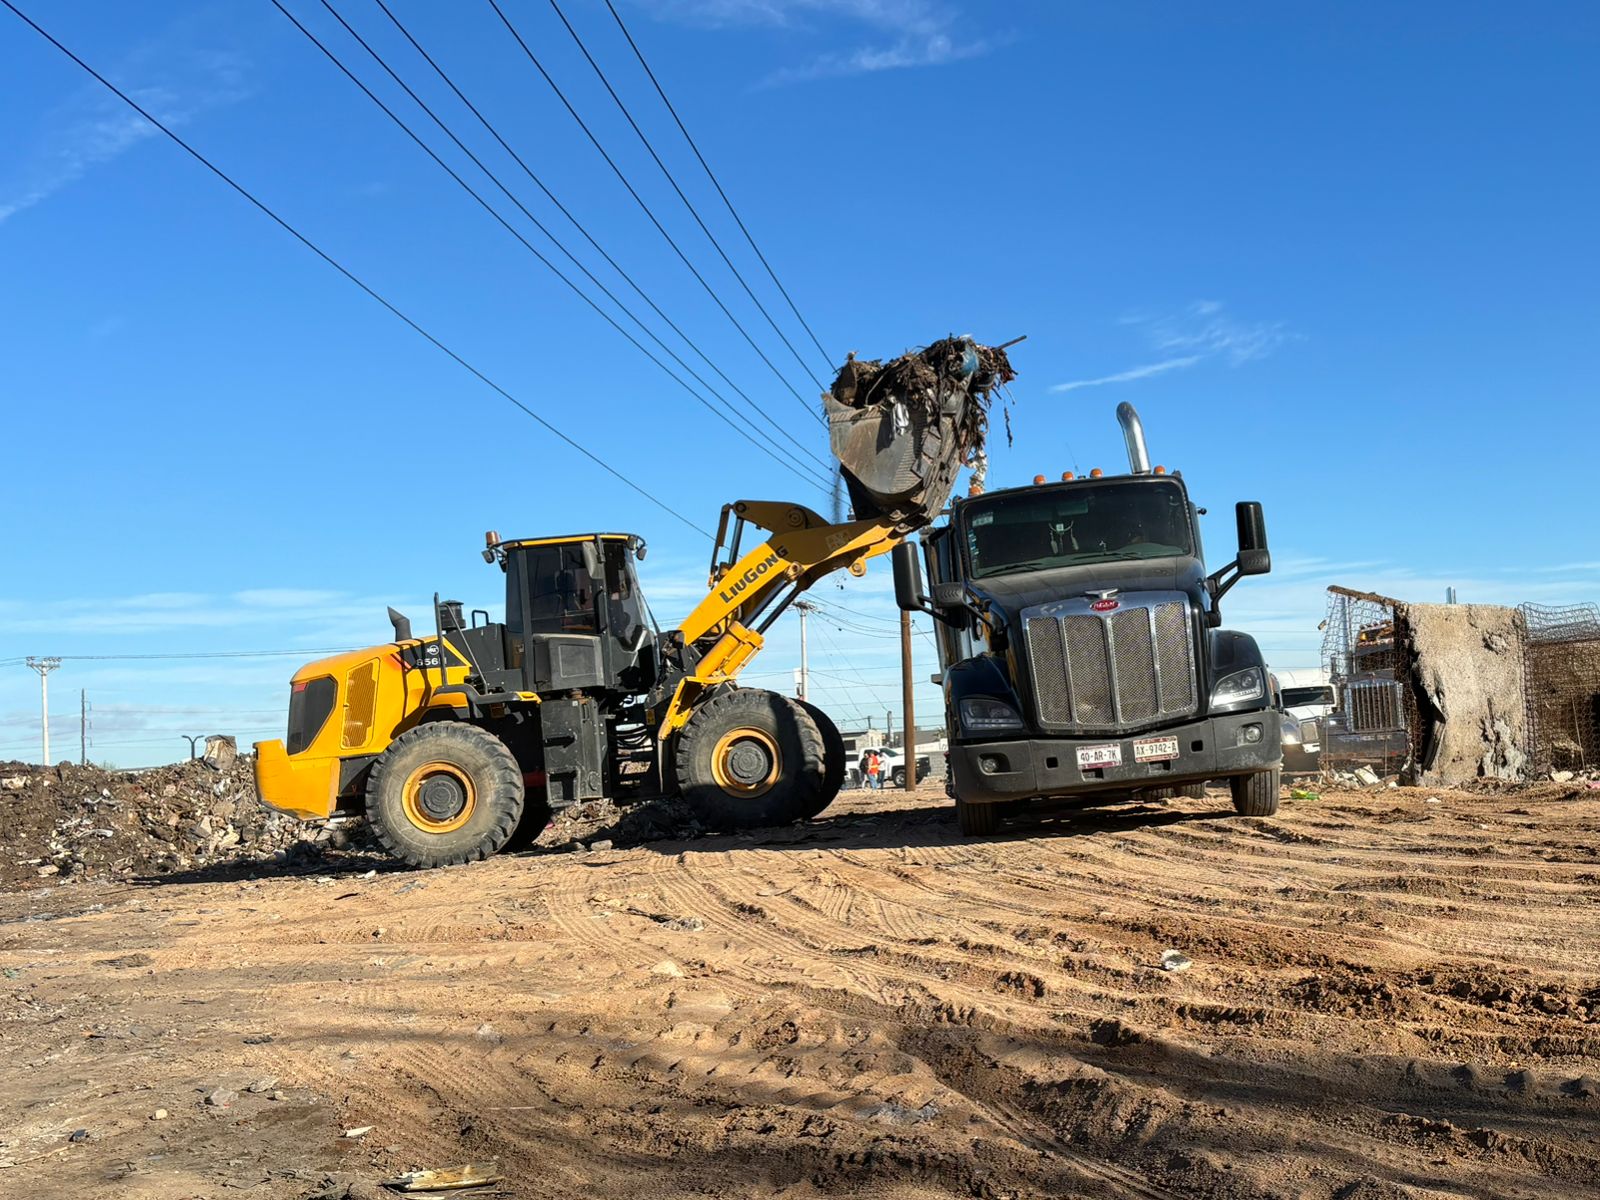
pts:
[748, 593]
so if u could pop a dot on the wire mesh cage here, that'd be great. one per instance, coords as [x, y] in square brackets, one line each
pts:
[1373, 722]
[1562, 681]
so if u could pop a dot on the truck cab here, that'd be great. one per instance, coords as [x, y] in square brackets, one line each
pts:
[1081, 646]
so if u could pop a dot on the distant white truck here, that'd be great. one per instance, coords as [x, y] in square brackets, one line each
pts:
[1307, 697]
[892, 767]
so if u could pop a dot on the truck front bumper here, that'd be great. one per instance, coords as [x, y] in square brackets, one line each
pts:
[301, 786]
[1043, 768]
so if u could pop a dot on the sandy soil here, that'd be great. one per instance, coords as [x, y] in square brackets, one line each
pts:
[1389, 998]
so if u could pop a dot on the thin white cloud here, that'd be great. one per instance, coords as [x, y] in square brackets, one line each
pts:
[907, 33]
[175, 76]
[1128, 376]
[1202, 332]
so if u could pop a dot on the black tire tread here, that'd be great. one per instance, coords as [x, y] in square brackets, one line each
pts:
[503, 789]
[977, 820]
[834, 764]
[1257, 795]
[730, 707]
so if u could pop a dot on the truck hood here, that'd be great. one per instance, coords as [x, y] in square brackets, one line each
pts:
[1013, 593]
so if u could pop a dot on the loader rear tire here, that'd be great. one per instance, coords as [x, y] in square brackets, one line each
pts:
[1257, 795]
[833, 748]
[749, 758]
[444, 793]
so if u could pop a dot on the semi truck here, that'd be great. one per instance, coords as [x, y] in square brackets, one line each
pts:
[1081, 648]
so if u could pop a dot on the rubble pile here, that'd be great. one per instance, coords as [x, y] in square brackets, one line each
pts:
[72, 822]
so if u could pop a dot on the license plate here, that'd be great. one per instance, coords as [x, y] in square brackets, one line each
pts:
[1155, 749]
[1109, 755]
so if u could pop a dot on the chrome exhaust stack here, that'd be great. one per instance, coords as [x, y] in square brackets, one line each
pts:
[1133, 434]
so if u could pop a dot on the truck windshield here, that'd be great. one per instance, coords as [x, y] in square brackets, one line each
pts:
[1064, 527]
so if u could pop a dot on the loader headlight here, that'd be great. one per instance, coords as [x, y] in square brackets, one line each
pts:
[980, 714]
[1241, 687]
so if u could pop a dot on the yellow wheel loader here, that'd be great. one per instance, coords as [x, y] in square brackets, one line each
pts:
[453, 744]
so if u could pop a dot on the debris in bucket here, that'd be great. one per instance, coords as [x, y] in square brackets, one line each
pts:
[902, 429]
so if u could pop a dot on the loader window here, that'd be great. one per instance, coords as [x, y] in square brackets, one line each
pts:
[624, 606]
[561, 591]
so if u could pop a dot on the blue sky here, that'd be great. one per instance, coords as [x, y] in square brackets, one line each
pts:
[1343, 258]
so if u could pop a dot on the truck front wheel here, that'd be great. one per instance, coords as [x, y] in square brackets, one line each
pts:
[1257, 795]
[444, 793]
[977, 820]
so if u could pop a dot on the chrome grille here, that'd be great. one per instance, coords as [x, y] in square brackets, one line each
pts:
[1132, 667]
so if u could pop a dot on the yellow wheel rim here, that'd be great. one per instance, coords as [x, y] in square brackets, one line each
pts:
[746, 762]
[439, 797]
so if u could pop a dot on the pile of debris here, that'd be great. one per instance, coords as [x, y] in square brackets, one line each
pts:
[902, 429]
[72, 822]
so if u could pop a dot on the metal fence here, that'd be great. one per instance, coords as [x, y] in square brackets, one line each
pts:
[1374, 721]
[1561, 669]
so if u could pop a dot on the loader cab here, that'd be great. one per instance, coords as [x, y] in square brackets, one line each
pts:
[575, 615]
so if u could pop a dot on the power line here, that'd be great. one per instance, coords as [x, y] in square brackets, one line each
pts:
[826, 357]
[710, 291]
[514, 232]
[346, 272]
[582, 229]
[687, 203]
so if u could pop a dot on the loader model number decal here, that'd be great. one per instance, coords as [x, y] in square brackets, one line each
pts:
[730, 593]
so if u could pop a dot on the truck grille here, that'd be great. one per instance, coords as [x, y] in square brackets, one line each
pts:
[1374, 706]
[1135, 666]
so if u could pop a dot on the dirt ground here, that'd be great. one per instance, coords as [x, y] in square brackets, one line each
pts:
[1394, 993]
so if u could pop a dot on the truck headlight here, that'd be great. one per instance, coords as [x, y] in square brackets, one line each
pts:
[979, 714]
[1241, 687]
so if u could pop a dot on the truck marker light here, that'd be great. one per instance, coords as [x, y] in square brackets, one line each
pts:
[1160, 470]
[1038, 478]
[1096, 473]
[1067, 477]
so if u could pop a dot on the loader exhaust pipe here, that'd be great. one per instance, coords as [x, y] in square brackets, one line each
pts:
[1133, 434]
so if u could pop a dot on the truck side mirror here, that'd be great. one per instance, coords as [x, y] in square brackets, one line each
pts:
[1254, 557]
[908, 592]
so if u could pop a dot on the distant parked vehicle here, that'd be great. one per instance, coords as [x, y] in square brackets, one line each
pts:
[892, 767]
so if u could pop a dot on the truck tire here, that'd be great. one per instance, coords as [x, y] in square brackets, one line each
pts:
[977, 820]
[749, 758]
[1257, 795]
[1194, 791]
[833, 747]
[899, 777]
[444, 793]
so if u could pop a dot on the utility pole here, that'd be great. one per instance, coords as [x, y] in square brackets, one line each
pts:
[908, 715]
[44, 666]
[83, 728]
[804, 607]
[888, 725]
[192, 741]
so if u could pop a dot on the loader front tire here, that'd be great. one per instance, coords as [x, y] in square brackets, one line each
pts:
[748, 758]
[833, 749]
[444, 793]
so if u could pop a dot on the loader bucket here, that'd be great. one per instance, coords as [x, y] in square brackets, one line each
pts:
[903, 430]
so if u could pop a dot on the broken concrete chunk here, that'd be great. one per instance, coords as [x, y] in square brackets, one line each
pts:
[221, 1098]
[221, 750]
